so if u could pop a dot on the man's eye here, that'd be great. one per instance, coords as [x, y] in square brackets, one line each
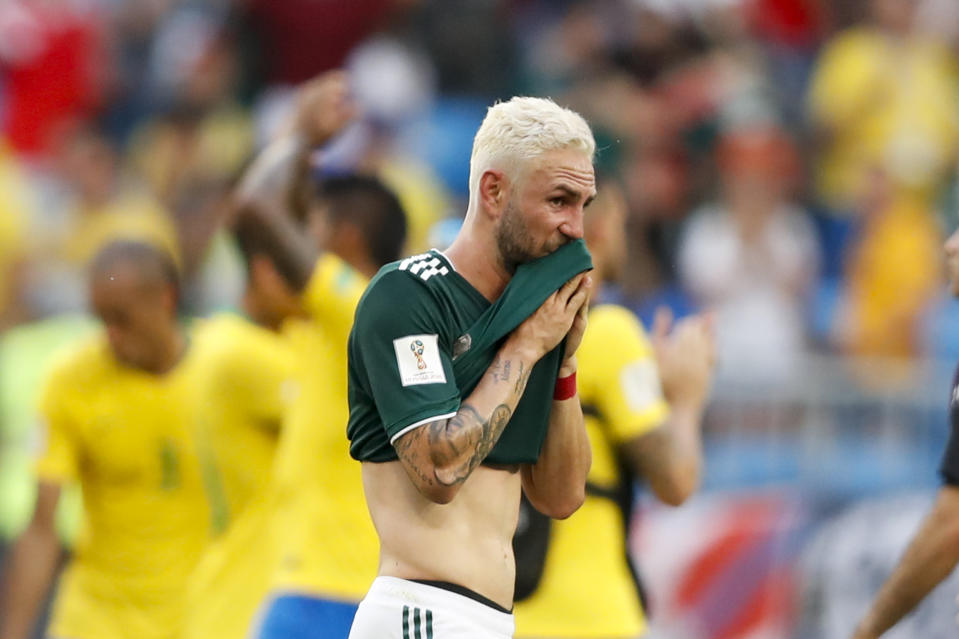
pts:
[557, 201]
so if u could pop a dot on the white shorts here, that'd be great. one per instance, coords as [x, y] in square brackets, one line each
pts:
[399, 609]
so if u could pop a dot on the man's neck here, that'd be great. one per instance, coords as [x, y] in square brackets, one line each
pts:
[174, 348]
[478, 261]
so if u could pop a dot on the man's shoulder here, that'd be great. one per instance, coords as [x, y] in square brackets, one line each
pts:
[78, 372]
[89, 358]
[413, 278]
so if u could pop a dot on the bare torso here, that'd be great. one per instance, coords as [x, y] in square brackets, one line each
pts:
[467, 542]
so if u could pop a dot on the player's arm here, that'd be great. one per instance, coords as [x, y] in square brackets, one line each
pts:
[670, 457]
[556, 484]
[32, 564]
[439, 456]
[930, 557]
[271, 191]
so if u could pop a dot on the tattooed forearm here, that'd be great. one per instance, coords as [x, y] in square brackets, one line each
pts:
[465, 431]
[521, 378]
[500, 370]
[409, 450]
[450, 438]
[442, 454]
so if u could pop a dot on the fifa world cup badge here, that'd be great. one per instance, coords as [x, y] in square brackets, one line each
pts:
[417, 347]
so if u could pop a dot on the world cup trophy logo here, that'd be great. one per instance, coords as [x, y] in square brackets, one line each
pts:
[417, 347]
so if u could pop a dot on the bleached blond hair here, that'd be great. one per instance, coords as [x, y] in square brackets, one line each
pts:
[522, 129]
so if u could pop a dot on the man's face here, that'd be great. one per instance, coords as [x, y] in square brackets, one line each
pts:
[952, 262]
[136, 314]
[545, 207]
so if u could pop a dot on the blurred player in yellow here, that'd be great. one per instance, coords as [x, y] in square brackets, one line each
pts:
[247, 382]
[643, 401]
[330, 549]
[309, 534]
[119, 414]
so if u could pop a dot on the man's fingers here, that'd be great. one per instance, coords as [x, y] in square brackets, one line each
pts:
[580, 297]
[566, 290]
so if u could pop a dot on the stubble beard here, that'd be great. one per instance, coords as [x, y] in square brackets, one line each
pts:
[513, 239]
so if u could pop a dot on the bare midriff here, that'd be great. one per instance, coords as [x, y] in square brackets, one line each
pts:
[467, 542]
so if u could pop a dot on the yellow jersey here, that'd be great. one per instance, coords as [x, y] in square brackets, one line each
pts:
[246, 374]
[904, 122]
[126, 437]
[329, 544]
[587, 589]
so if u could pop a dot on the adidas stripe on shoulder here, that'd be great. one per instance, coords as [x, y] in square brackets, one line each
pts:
[425, 266]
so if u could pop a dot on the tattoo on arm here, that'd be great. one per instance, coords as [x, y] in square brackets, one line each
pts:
[521, 378]
[445, 445]
[448, 440]
[500, 370]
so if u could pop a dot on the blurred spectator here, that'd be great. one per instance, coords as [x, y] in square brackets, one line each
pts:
[53, 64]
[14, 210]
[88, 202]
[189, 154]
[298, 39]
[752, 256]
[883, 98]
[892, 276]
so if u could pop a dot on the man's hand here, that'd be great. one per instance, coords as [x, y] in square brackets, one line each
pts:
[686, 357]
[324, 108]
[575, 335]
[562, 314]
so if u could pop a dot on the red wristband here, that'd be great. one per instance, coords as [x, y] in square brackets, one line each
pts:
[565, 387]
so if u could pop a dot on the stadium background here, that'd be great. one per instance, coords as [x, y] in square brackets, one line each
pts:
[837, 341]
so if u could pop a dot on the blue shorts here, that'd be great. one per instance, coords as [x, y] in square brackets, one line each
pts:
[305, 617]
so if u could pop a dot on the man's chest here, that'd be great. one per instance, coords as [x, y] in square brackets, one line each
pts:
[133, 434]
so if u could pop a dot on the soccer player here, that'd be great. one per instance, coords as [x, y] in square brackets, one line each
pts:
[433, 390]
[119, 412]
[321, 521]
[587, 586]
[247, 380]
[313, 509]
[934, 551]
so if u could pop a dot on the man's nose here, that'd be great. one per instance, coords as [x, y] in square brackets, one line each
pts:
[573, 226]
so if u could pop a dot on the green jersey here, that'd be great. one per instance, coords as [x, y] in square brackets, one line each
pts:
[411, 324]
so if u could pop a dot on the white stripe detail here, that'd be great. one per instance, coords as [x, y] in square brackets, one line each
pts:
[418, 424]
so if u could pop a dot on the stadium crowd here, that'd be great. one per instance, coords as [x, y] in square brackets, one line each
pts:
[221, 178]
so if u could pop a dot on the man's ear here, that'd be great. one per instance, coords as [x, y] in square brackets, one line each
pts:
[494, 192]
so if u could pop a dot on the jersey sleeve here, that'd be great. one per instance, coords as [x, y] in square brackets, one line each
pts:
[59, 454]
[400, 352]
[622, 378]
[332, 294]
